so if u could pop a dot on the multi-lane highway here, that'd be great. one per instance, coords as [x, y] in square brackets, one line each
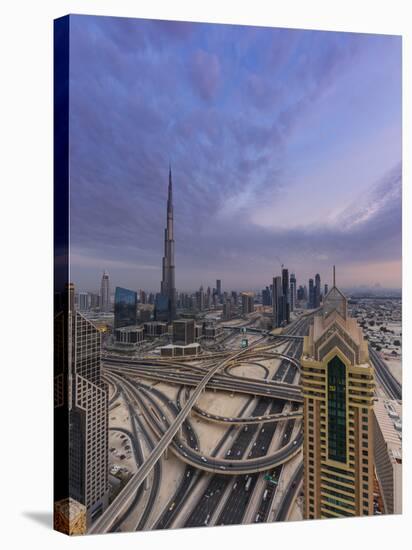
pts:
[391, 386]
[105, 522]
[277, 407]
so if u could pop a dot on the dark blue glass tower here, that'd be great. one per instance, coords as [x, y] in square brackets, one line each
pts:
[125, 307]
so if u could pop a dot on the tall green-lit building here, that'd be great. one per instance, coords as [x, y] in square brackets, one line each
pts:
[338, 389]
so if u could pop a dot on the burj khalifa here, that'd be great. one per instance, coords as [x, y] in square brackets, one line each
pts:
[166, 302]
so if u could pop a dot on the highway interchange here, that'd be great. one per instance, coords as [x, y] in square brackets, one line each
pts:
[253, 473]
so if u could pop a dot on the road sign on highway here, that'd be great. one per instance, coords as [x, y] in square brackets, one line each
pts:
[269, 478]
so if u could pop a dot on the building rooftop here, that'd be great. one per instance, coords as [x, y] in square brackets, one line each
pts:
[171, 346]
[131, 328]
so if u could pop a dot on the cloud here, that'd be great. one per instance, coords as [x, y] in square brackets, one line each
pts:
[228, 106]
[379, 207]
[205, 74]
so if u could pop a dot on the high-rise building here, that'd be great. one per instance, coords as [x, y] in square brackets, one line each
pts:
[317, 291]
[218, 287]
[84, 301]
[248, 300]
[311, 297]
[277, 304]
[338, 390]
[200, 299]
[227, 310]
[293, 296]
[94, 300]
[125, 307]
[325, 290]
[266, 297]
[167, 286]
[105, 293]
[184, 331]
[208, 298]
[162, 308]
[286, 295]
[81, 396]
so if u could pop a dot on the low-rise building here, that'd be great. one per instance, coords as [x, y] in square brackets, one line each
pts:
[173, 350]
[184, 331]
[155, 329]
[212, 331]
[131, 336]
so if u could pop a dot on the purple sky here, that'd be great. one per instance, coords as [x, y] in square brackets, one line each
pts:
[285, 148]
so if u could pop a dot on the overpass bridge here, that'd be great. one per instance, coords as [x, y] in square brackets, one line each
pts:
[263, 332]
[125, 497]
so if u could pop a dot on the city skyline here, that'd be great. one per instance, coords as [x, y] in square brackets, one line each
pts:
[264, 167]
[261, 176]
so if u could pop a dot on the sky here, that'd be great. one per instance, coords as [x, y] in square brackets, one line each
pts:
[285, 147]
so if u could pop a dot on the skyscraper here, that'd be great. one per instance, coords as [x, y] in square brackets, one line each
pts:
[218, 287]
[286, 295]
[200, 299]
[277, 302]
[311, 297]
[167, 286]
[338, 390]
[105, 293]
[84, 301]
[248, 305]
[266, 297]
[293, 296]
[81, 398]
[125, 307]
[317, 291]
[227, 310]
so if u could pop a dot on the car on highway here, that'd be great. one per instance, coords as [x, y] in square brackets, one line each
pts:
[203, 459]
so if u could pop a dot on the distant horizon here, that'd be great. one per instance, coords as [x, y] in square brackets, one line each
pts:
[370, 288]
[285, 147]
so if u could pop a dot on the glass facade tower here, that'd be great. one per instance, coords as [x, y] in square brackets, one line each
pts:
[125, 307]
